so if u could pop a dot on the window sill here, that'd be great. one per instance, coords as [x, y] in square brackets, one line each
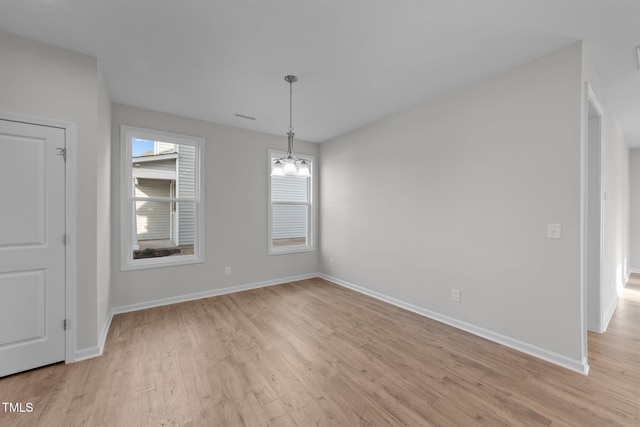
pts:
[289, 250]
[146, 263]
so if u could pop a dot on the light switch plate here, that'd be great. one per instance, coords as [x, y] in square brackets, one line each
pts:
[554, 231]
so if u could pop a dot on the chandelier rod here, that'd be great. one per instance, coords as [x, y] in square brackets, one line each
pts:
[291, 80]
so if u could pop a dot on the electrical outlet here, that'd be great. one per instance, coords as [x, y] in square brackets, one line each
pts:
[455, 295]
[331, 262]
[227, 271]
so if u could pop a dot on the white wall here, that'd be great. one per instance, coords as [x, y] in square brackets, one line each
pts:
[634, 217]
[457, 193]
[44, 81]
[103, 211]
[615, 203]
[235, 213]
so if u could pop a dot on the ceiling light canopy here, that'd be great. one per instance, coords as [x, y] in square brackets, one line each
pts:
[290, 164]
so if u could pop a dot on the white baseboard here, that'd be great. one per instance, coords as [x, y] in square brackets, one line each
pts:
[580, 366]
[576, 365]
[207, 294]
[97, 350]
[88, 353]
[633, 270]
[609, 314]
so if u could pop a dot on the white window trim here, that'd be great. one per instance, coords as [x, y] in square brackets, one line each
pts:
[310, 246]
[126, 223]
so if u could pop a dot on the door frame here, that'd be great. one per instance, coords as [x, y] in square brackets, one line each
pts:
[70, 136]
[589, 98]
[594, 284]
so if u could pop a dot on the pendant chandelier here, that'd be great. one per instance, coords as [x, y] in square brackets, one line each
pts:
[290, 164]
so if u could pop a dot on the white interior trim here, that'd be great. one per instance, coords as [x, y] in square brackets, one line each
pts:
[95, 351]
[580, 366]
[311, 218]
[208, 294]
[126, 227]
[70, 218]
[590, 98]
[609, 314]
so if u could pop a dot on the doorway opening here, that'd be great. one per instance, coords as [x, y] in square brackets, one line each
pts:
[594, 201]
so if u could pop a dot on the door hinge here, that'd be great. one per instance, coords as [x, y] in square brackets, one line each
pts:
[63, 152]
[66, 239]
[66, 324]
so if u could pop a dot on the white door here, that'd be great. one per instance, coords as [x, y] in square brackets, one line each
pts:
[32, 252]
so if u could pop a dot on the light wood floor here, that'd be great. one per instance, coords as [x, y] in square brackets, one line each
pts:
[312, 353]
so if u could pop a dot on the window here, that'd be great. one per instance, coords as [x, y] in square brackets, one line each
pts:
[161, 199]
[290, 211]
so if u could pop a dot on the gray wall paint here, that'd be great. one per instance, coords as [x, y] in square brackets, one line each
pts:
[103, 211]
[40, 80]
[235, 212]
[634, 170]
[457, 193]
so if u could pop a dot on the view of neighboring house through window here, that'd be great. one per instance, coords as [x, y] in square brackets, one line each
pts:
[161, 198]
[290, 211]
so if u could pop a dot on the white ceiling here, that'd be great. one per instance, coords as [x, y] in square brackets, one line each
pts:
[356, 60]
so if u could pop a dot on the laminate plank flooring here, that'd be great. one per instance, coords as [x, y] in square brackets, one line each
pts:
[311, 353]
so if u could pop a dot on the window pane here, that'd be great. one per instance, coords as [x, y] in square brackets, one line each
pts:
[185, 223]
[162, 216]
[289, 189]
[141, 147]
[163, 229]
[145, 187]
[186, 182]
[161, 169]
[289, 225]
[290, 211]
